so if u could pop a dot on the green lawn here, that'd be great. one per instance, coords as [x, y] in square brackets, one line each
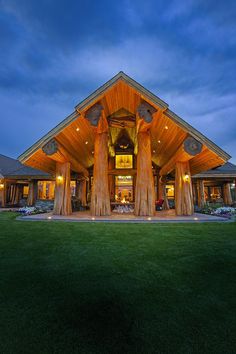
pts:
[117, 288]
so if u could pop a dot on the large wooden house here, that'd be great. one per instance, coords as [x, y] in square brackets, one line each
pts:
[123, 145]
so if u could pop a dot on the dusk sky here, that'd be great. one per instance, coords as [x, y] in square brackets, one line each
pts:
[54, 53]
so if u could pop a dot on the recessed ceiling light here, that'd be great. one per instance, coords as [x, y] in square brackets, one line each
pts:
[86, 142]
[77, 129]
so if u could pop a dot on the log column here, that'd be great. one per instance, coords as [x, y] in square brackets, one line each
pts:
[183, 189]
[227, 194]
[162, 193]
[83, 192]
[32, 195]
[144, 192]
[2, 193]
[200, 193]
[62, 201]
[100, 197]
[64, 162]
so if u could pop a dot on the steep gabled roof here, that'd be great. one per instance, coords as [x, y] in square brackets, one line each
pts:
[10, 167]
[145, 94]
[131, 82]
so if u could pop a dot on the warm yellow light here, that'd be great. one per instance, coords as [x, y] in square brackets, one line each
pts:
[149, 219]
[93, 218]
[186, 177]
[1, 185]
[124, 161]
[86, 142]
[159, 141]
[59, 179]
[77, 129]
[166, 127]
[154, 151]
[92, 152]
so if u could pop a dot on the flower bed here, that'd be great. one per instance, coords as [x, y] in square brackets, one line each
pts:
[225, 212]
[31, 211]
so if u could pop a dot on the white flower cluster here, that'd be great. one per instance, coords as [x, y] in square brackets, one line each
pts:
[225, 210]
[27, 210]
[123, 209]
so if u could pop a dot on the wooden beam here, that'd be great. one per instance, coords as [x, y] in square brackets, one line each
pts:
[187, 150]
[57, 152]
[123, 172]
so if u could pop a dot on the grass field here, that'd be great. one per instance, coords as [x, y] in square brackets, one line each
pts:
[117, 288]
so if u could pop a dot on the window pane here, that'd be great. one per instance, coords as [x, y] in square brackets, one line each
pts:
[124, 161]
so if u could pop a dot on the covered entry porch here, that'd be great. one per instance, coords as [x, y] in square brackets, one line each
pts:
[122, 145]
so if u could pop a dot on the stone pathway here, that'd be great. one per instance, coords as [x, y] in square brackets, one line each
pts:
[160, 217]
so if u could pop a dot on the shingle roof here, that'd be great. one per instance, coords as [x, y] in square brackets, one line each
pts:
[10, 167]
[226, 170]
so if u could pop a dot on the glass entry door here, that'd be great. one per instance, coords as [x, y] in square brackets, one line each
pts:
[124, 189]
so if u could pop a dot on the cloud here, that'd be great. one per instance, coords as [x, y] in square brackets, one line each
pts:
[53, 55]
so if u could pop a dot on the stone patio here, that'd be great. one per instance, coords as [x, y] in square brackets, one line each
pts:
[160, 217]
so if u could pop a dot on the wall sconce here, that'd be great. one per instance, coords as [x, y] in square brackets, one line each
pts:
[186, 177]
[59, 179]
[1, 186]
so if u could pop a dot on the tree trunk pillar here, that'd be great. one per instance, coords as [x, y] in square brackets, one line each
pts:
[83, 192]
[62, 201]
[200, 193]
[100, 198]
[183, 189]
[144, 193]
[32, 195]
[227, 194]
[194, 187]
[2, 193]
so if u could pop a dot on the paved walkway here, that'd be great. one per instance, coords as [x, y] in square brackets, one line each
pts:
[161, 216]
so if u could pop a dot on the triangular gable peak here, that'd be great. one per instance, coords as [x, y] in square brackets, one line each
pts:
[122, 93]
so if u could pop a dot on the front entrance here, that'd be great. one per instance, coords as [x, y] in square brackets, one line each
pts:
[124, 191]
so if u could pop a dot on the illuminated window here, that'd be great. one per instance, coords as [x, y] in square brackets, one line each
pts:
[124, 161]
[46, 189]
[124, 188]
[72, 188]
[170, 191]
[25, 191]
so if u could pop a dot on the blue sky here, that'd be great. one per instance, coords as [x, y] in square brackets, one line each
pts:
[54, 53]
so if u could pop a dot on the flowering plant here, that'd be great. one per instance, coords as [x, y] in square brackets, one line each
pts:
[27, 210]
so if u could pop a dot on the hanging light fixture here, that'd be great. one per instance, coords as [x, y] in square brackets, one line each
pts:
[59, 179]
[186, 177]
